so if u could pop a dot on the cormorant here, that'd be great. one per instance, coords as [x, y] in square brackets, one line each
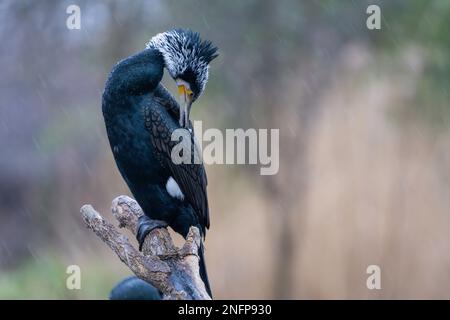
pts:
[140, 116]
[133, 288]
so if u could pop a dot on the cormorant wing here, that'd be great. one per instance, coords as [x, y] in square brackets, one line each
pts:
[191, 178]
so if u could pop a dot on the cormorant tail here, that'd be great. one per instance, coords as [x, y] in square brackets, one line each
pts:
[203, 273]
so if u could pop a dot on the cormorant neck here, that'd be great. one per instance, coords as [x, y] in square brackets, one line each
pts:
[168, 59]
[135, 75]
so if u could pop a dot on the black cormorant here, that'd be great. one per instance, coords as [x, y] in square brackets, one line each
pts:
[140, 116]
[133, 288]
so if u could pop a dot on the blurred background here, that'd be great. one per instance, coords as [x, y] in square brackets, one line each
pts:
[364, 121]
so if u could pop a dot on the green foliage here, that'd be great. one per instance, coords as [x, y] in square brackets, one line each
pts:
[424, 25]
[45, 277]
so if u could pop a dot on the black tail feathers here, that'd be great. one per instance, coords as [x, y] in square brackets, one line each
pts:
[203, 273]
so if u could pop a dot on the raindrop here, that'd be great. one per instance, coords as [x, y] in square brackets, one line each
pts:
[36, 143]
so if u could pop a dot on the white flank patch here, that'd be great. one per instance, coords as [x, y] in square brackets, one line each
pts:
[173, 189]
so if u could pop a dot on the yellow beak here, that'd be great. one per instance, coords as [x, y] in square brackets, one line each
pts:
[185, 106]
[181, 90]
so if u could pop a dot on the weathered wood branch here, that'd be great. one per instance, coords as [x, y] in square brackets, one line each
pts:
[173, 271]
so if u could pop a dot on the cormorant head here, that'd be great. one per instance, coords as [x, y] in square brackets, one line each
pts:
[187, 59]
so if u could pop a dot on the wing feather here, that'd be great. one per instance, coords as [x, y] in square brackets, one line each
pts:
[191, 178]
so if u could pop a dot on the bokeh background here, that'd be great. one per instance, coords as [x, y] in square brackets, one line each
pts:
[364, 144]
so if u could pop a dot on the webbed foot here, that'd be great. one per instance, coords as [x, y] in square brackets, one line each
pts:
[145, 226]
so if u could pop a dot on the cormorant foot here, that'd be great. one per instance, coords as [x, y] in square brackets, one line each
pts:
[145, 225]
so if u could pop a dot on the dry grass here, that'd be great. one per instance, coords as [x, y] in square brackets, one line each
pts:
[376, 194]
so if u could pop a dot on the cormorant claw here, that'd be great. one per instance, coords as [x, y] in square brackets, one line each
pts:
[145, 226]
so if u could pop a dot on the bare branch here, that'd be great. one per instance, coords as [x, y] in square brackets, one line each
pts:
[173, 271]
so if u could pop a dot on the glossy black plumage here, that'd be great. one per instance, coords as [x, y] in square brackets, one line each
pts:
[133, 288]
[190, 177]
[140, 115]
